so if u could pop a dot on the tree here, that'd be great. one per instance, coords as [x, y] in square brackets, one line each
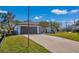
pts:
[44, 25]
[76, 27]
[55, 26]
[16, 22]
[8, 21]
[77, 22]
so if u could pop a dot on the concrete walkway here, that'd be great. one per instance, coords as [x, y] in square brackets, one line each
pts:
[56, 44]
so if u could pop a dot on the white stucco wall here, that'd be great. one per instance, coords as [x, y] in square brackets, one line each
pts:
[18, 28]
[38, 29]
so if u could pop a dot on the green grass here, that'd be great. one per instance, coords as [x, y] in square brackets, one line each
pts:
[68, 35]
[18, 44]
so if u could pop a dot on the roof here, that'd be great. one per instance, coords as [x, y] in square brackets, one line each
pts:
[26, 23]
[30, 24]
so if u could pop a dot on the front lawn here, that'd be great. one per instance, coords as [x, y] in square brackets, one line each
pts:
[68, 35]
[13, 44]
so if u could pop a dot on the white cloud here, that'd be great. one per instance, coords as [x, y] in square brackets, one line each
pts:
[74, 11]
[57, 11]
[37, 17]
[2, 11]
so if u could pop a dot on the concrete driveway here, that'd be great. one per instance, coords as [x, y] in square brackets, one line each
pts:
[56, 44]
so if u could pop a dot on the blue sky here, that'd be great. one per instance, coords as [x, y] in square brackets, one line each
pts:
[54, 13]
[44, 13]
[20, 12]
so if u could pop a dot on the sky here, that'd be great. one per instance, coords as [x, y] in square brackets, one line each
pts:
[54, 13]
[20, 12]
[43, 13]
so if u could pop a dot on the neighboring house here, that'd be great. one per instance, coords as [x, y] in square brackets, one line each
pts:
[34, 28]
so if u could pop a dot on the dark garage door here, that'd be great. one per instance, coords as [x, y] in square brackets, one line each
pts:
[32, 30]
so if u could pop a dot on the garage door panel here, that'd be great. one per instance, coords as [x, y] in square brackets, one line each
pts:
[32, 30]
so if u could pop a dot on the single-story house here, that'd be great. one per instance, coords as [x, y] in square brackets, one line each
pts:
[34, 28]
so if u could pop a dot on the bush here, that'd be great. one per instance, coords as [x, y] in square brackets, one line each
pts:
[8, 34]
[13, 32]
